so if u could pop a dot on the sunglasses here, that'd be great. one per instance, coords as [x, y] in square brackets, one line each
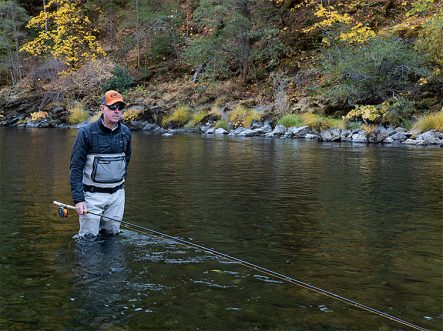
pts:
[116, 106]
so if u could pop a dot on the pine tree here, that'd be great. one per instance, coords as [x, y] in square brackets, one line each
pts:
[12, 18]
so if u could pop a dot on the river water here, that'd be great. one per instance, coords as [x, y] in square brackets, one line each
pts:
[364, 222]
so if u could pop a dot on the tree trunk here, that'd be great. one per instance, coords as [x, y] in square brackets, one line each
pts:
[137, 33]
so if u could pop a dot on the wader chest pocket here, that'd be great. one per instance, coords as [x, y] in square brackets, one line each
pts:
[108, 169]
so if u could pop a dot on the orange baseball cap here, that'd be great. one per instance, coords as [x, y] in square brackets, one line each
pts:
[112, 97]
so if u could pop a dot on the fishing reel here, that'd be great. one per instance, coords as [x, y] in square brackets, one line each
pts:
[63, 212]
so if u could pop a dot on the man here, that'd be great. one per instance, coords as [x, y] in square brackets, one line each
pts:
[99, 165]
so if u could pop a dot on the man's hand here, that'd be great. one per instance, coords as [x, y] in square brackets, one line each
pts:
[80, 207]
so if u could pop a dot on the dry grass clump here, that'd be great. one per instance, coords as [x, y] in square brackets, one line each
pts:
[370, 129]
[320, 123]
[428, 122]
[179, 117]
[77, 113]
[243, 117]
[197, 118]
[95, 117]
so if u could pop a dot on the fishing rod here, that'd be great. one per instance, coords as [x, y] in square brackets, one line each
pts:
[63, 212]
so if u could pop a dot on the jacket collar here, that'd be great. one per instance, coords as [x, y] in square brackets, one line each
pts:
[104, 128]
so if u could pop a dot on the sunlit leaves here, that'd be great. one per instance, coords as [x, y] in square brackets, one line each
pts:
[64, 32]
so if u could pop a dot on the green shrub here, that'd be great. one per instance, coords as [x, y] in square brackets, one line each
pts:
[119, 81]
[369, 73]
[289, 120]
[179, 117]
[430, 39]
[428, 122]
[77, 113]
[397, 112]
[161, 47]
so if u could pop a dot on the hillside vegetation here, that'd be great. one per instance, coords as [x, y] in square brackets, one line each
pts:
[379, 61]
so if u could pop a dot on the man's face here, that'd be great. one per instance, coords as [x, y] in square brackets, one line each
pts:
[112, 113]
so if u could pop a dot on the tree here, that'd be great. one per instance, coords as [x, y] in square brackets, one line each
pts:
[65, 32]
[235, 36]
[12, 17]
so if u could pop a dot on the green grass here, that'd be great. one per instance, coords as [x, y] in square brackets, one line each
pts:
[180, 116]
[289, 120]
[197, 118]
[221, 124]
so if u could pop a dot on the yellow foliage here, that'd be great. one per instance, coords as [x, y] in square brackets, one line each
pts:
[131, 115]
[329, 16]
[368, 113]
[358, 34]
[65, 33]
[39, 115]
[431, 38]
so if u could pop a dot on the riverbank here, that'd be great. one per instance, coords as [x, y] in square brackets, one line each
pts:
[33, 110]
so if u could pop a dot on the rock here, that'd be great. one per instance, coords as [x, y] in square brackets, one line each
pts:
[210, 131]
[204, 128]
[220, 131]
[298, 131]
[359, 137]
[308, 104]
[256, 124]
[150, 127]
[380, 134]
[58, 110]
[279, 130]
[410, 142]
[431, 137]
[247, 133]
[238, 130]
[311, 136]
[333, 134]
[346, 135]
[137, 125]
[397, 137]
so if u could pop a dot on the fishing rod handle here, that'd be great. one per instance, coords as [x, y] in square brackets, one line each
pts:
[60, 204]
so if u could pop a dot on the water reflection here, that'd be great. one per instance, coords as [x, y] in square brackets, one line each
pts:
[362, 221]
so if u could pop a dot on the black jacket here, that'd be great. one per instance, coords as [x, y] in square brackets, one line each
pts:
[95, 138]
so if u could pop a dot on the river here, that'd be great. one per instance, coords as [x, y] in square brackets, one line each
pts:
[364, 222]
